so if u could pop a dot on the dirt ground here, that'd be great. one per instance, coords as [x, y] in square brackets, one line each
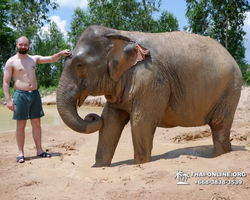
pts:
[68, 175]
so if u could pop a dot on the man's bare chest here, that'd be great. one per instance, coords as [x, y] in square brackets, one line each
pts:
[24, 67]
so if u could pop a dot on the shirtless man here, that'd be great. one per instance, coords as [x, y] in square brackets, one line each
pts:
[26, 102]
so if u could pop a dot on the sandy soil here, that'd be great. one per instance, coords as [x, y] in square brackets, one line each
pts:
[68, 174]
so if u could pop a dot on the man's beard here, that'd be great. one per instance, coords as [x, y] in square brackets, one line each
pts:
[22, 51]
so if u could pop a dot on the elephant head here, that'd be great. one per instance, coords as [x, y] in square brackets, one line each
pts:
[97, 63]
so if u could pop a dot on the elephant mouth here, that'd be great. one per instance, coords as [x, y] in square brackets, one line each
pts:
[81, 99]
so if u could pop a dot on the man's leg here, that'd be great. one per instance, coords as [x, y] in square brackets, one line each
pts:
[37, 136]
[20, 137]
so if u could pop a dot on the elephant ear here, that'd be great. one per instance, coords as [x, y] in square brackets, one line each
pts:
[123, 55]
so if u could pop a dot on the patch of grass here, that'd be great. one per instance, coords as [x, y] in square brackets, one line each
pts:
[2, 98]
[1, 93]
[47, 91]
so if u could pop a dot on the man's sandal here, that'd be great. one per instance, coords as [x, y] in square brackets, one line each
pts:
[20, 159]
[45, 155]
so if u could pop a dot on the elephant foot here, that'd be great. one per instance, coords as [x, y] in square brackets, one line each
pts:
[100, 165]
[142, 159]
[221, 149]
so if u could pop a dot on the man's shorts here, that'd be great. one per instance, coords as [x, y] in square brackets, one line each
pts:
[28, 105]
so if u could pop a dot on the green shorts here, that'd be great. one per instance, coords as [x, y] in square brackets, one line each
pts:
[28, 105]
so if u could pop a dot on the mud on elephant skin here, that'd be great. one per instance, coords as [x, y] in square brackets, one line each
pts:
[152, 80]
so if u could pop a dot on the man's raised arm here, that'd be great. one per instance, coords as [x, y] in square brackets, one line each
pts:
[54, 58]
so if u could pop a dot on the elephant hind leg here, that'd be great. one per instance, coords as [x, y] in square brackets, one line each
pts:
[221, 138]
[222, 120]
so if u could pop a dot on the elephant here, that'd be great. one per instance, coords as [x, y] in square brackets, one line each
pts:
[152, 80]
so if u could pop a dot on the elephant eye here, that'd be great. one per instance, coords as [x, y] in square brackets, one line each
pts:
[79, 64]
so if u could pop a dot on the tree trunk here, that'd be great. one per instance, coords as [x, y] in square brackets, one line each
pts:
[146, 14]
[226, 39]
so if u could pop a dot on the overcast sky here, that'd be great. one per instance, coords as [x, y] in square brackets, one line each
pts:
[63, 15]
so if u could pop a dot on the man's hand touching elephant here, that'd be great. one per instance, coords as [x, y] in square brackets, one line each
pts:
[66, 52]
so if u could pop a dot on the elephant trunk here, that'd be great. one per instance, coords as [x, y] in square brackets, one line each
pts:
[66, 100]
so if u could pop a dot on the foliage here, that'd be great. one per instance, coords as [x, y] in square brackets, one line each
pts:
[246, 77]
[7, 36]
[198, 16]
[2, 93]
[149, 8]
[80, 21]
[222, 20]
[46, 90]
[130, 15]
[7, 40]
[167, 22]
[228, 25]
[20, 17]
[117, 14]
[27, 16]
[48, 43]
[245, 69]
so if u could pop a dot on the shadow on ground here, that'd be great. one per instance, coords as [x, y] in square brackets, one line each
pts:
[39, 157]
[205, 151]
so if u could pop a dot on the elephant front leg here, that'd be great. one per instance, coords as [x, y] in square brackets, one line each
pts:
[145, 117]
[114, 121]
[142, 134]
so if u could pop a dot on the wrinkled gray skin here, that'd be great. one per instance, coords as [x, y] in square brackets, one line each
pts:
[176, 79]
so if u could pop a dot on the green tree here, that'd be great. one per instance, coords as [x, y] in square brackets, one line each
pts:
[48, 43]
[80, 20]
[20, 17]
[167, 23]
[6, 35]
[7, 38]
[228, 20]
[198, 16]
[150, 7]
[130, 15]
[119, 14]
[27, 16]
[222, 20]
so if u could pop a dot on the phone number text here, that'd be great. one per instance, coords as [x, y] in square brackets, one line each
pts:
[219, 182]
